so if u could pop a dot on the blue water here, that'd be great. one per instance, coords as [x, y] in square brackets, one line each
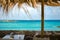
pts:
[31, 25]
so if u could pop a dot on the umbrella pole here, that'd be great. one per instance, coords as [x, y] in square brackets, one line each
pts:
[42, 19]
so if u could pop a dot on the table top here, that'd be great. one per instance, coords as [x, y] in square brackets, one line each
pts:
[15, 37]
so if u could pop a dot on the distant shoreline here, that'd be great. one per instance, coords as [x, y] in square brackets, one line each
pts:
[29, 21]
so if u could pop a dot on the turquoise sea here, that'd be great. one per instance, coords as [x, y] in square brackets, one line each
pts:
[30, 25]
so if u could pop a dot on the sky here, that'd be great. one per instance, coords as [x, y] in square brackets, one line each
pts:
[50, 13]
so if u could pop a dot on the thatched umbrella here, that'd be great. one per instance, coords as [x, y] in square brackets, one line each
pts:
[53, 3]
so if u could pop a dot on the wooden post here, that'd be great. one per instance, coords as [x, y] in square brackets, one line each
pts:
[42, 19]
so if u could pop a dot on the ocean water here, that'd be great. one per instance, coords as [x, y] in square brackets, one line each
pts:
[30, 25]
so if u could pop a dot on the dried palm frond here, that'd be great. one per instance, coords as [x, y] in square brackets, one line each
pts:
[28, 2]
[16, 1]
[33, 3]
[10, 4]
[5, 5]
[1, 3]
[20, 2]
[51, 3]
